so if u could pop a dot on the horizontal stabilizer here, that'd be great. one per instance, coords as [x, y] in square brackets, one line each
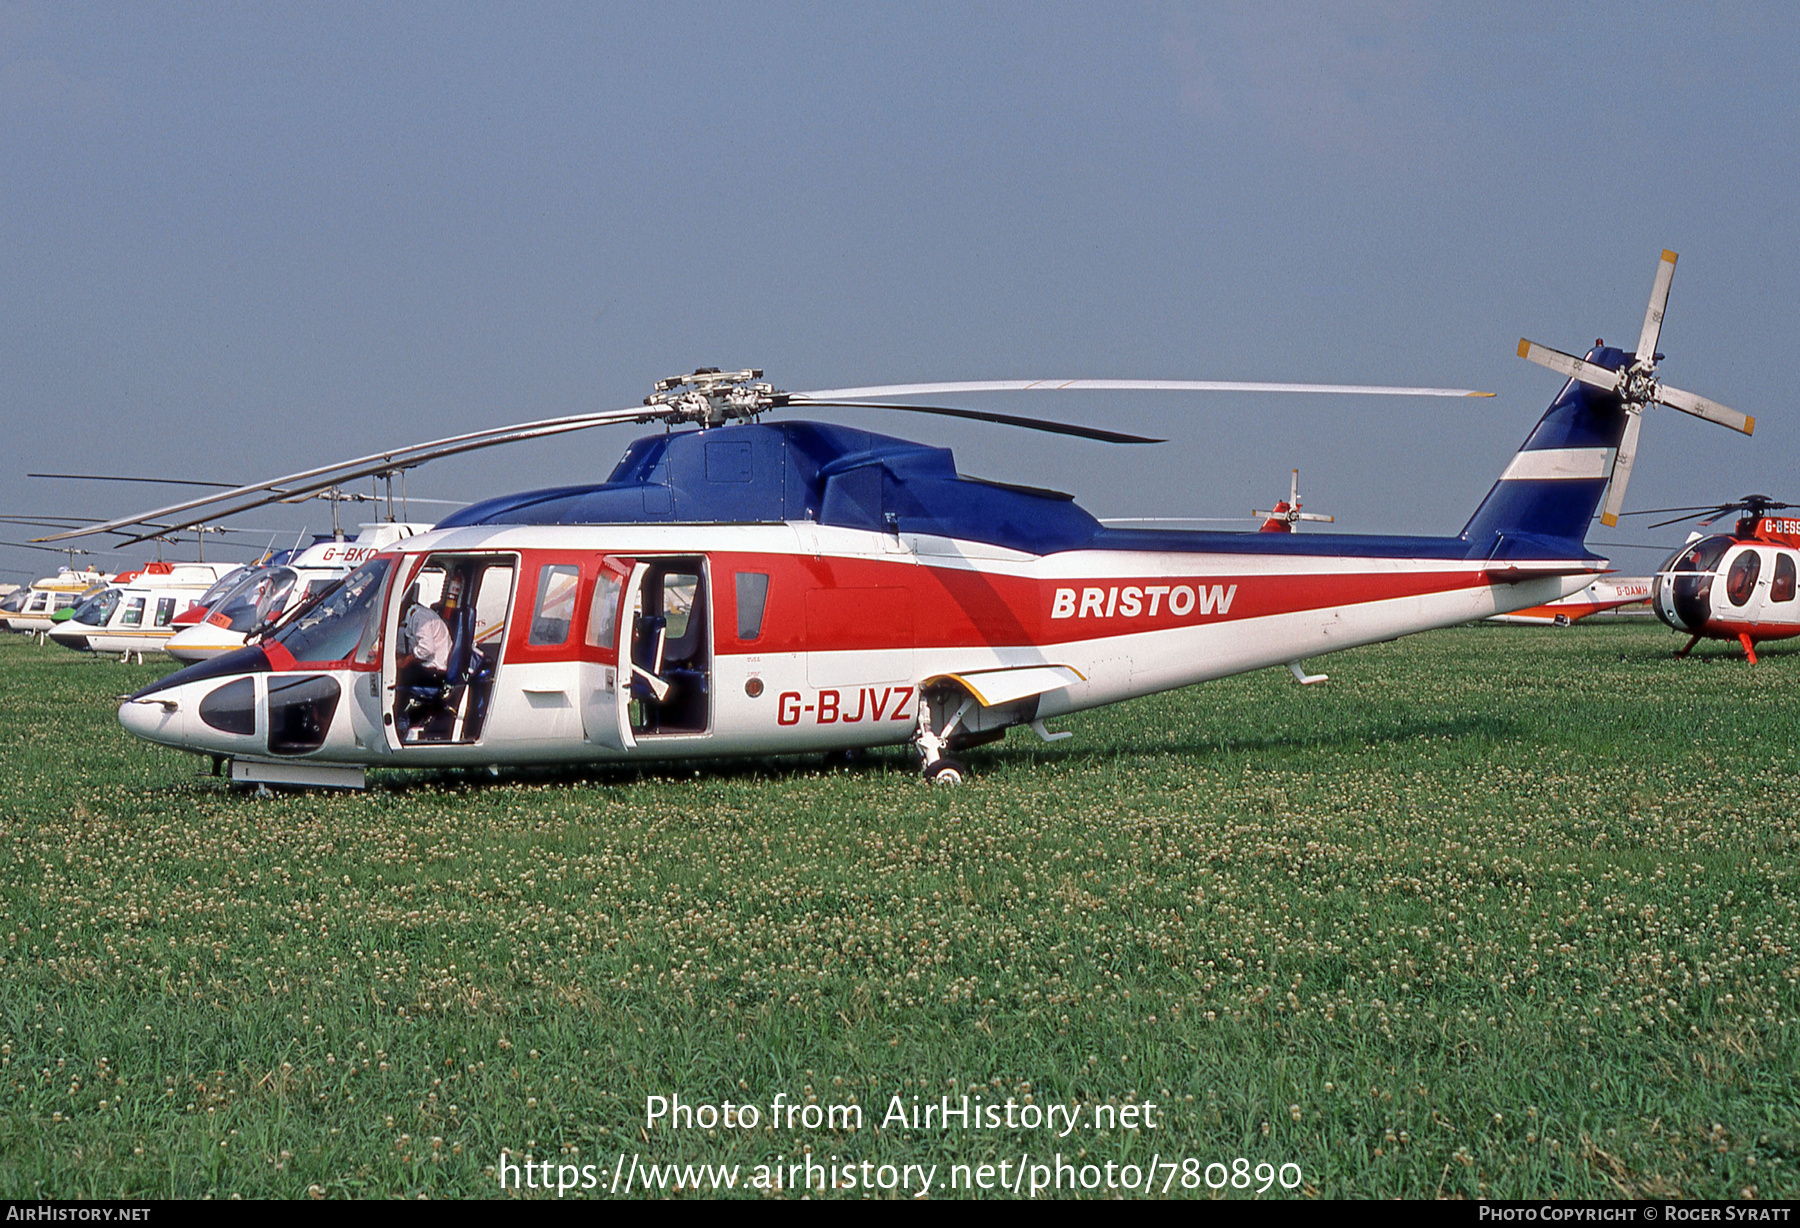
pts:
[993, 687]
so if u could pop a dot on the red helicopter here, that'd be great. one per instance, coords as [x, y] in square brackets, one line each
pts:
[753, 588]
[1732, 586]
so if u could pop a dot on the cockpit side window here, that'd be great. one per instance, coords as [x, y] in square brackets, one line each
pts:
[334, 629]
[97, 611]
[1703, 555]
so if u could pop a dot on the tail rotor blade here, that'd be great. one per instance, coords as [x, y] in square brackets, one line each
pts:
[1621, 474]
[1653, 318]
[1571, 366]
[1700, 407]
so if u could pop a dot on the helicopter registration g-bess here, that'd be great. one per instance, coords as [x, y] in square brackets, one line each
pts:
[749, 588]
[1734, 586]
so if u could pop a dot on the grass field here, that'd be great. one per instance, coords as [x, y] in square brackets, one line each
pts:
[1496, 911]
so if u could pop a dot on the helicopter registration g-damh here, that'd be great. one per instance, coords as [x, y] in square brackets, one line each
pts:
[752, 588]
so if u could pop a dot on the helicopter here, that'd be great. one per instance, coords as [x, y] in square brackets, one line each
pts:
[30, 609]
[221, 621]
[755, 588]
[1756, 562]
[1606, 593]
[1286, 515]
[135, 614]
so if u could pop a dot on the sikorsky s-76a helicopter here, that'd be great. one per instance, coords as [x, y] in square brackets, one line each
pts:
[752, 588]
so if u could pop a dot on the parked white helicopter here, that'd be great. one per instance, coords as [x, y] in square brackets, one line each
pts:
[1606, 593]
[260, 596]
[136, 614]
[46, 596]
[768, 588]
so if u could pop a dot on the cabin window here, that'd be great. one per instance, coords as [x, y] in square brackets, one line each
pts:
[300, 712]
[752, 597]
[603, 615]
[557, 583]
[231, 708]
[134, 613]
[165, 610]
[63, 601]
[1740, 582]
[1783, 587]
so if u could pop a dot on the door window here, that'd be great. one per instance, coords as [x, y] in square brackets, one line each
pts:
[134, 613]
[603, 614]
[1740, 582]
[165, 610]
[1783, 587]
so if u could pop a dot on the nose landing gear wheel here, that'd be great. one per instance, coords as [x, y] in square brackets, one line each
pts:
[946, 771]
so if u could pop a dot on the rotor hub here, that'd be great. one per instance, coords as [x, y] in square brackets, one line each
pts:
[1640, 385]
[710, 397]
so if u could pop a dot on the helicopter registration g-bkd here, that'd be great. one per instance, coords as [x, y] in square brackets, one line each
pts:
[1734, 586]
[753, 588]
[259, 596]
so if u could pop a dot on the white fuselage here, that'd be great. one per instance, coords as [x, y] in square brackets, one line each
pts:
[850, 630]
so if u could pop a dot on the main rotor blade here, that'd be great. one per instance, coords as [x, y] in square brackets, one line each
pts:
[1119, 385]
[1658, 511]
[11, 518]
[1571, 366]
[1653, 318]
[57, 549]
[1700, 407]
[103, 477]
[326, 476]
[1030, 424]
[1621, 474]
[1714, 512]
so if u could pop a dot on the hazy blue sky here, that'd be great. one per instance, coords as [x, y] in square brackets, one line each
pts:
[237, 240]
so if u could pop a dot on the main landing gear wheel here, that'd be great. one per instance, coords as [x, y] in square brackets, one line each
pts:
[946, 771]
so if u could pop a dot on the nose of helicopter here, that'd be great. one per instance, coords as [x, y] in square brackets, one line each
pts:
[156, 719]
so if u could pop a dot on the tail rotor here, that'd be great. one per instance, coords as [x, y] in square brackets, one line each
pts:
[1637, 387]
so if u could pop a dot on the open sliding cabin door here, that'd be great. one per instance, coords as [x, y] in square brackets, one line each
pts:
[466, 600]
[605, 685]
[666, 642]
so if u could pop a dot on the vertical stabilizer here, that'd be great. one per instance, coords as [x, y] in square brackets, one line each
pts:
[1548, 493]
